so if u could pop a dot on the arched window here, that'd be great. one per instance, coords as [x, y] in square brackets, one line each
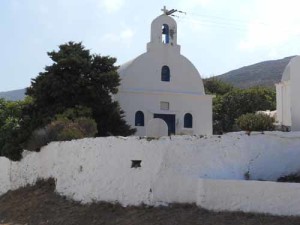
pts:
[165, 73]
[139, 118]
[188, 120]
[165, 34]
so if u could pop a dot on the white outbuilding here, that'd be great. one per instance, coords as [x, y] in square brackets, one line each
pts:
[287, 96]
[162, 90]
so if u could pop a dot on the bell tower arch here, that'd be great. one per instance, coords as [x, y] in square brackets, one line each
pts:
[163, 32]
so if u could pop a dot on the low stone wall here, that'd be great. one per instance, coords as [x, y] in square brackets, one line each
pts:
[249, 196]
[136, 170]
[5, 183]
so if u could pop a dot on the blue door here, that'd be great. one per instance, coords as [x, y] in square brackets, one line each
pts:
[170, 121]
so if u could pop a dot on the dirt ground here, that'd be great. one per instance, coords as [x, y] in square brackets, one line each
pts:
[39, 205]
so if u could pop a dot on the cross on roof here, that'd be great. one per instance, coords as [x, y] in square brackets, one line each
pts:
[165, 10]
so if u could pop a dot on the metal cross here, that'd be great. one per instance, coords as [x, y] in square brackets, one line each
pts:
[164, 10]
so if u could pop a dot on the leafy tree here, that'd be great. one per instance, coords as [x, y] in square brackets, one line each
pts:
[216, 86]
[10, 122]
[229, 107]
[78, 78]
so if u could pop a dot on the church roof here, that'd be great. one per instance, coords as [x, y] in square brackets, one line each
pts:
[286, 76]
[286, 72]
[124, 67]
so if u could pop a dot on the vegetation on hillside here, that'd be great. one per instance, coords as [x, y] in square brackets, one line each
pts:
[75, 80]
[10, 127]
[14, 95]
[230, 103]
[265, 74]
[75, 93]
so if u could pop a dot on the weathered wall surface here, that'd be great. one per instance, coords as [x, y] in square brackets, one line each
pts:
[4, 175]
[249, 196]
[171, 169]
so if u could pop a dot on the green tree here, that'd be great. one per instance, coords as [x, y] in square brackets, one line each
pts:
[216, 86]
[229, 107]
[10, 123]
[78, 78]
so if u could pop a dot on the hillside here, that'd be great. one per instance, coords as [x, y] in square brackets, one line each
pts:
[13, 95]
[40, 204]
[265, 73]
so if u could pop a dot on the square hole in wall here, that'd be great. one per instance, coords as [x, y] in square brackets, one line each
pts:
[136, 163]
[164, 105]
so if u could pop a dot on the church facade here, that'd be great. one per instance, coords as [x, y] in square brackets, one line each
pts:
[287, 96]
[163, 85]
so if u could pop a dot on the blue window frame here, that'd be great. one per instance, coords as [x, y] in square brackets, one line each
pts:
[165, 73]
[188, 120]
[139, 119]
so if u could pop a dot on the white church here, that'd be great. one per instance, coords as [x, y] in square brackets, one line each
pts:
[288, 96]
[162, 90]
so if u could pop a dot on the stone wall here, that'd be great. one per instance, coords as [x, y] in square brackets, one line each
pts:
[100, 169]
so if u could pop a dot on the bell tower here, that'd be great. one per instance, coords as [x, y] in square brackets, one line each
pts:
[164, 32]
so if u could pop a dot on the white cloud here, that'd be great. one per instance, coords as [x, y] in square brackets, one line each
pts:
[274, 24]
[125, 37]
[127, 34]
[193, 3]
[112, 6]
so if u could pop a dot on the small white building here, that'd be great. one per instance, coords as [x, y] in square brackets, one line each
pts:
[288, 96]
[162, 83]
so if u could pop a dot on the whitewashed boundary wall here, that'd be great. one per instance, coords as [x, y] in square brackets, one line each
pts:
[249, 196]
[100, 169]
[5, 183]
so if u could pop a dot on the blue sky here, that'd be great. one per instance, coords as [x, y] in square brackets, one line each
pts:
[216, 35]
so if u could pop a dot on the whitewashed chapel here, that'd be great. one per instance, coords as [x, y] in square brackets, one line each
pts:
[163, 86]
[287, 96]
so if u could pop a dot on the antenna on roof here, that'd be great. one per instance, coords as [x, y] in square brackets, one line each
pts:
[170, 12]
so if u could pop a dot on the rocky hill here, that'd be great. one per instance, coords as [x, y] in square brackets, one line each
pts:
[14, 95]
[266, 73]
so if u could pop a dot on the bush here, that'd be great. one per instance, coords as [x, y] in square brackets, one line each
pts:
[255, 122]
[62, 129]
[291, 178]
[230, 106]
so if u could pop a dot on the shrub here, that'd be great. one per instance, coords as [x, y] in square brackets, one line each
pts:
[230, 106]
[62, 129]
[255, 122]
[291, 178]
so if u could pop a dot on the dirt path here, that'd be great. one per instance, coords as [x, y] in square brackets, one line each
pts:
[39, 205]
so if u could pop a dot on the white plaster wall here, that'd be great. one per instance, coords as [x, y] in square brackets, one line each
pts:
[5, 183]
[295, 93]
[142, 89]
[156, 128]
[283, 103]
[200, 106]
[99, 169]
[108, 176]
[287, 95]
[249, 196]
[144, 73]
[156, 31]
[279, 108]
